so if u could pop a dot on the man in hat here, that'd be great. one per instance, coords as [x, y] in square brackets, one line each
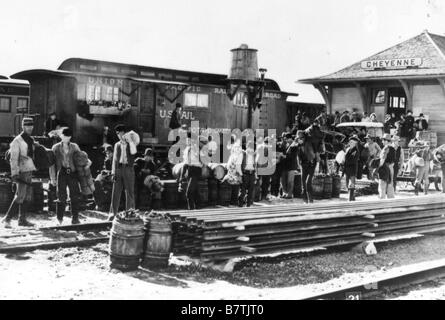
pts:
[352, 158]
[422, 124]
[22, 165]
[175, 121]
[248, 167]
[123, 173]
[193, 166]
[345, 117]
[386, 168]
[67, 176]
[307, 162]
[422, 172]
[399, 159]
[439, 156]
[143, 167]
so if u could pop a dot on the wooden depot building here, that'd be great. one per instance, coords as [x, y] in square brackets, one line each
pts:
[407, 76]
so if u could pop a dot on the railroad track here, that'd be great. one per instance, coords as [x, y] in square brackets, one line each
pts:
[29, 239]
[395, 280]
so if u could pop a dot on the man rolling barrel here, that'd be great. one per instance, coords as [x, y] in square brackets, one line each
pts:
[22, 167]
[143, 168]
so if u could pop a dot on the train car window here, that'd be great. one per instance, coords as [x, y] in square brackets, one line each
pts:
[198, 100]
[22, 104]
[5, 104]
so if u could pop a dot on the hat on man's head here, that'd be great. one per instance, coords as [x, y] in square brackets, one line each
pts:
[27, 121]
[120, 128]
[354, 138]
[178, 105]
[109, 149]
[387, 136]
[148, 152]
[396, 138]
[368, 137]
[421, 115]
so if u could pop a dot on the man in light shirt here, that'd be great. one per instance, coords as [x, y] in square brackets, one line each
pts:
[248, 168]
[123, 173]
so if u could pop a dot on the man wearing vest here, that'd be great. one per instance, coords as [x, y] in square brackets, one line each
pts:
[194, 169]
[352, 158]
[67, 176]
[248, 168]
[123, 173]
[386, 169]
[22, 166]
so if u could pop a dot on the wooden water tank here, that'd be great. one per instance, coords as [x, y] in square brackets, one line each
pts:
[244, 64]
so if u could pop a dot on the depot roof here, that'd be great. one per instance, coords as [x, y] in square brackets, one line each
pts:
[424, 55]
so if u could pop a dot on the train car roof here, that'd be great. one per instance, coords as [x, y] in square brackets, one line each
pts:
[13, 82]
[3, 77]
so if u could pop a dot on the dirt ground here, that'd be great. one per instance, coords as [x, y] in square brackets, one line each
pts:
[83, 273]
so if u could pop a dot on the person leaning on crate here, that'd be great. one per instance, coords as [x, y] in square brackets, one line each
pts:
[22, 167]
[144, 167]
[67, 176]
[352, 157]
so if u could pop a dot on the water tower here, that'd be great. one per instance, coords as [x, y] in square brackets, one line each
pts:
[244, 73]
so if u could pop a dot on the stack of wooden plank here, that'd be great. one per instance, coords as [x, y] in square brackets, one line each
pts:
[220, 234]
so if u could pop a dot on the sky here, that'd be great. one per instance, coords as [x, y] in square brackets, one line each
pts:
[296, 39]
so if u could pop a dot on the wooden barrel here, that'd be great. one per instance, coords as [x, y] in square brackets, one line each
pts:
[213, 191]
[170, 194]
[327, 187]
[317, 186]
[297, 186]
[336, 186]
[37, 197]
[158, 241]
[126, 244]
[218, 170]
[203, 190]
[224, 193]
[6, 195]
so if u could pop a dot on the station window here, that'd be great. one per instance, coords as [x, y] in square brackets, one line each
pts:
[397, 102]
[5, 104]
[240, 99]
[22, 104]
[379, 96]
[196, 100]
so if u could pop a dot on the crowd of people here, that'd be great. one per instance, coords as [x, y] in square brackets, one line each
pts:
[271, 163]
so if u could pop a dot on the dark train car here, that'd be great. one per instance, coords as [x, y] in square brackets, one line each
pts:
[14, 102]
[89, 94]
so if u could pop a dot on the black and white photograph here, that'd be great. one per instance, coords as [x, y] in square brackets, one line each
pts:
[222, 155]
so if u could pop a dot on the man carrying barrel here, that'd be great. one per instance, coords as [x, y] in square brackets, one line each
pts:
[66, 176]
[123, 173]
[22, 167]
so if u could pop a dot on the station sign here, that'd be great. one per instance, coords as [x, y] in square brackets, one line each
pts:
[391, 64]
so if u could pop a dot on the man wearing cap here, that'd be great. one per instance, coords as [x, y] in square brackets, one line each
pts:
[352, 157]
[143, 167]
[66, 176]
[22, 165]
[399, 160]
[289, 167]
[108, 161]
[386, 168]
[123, 173]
